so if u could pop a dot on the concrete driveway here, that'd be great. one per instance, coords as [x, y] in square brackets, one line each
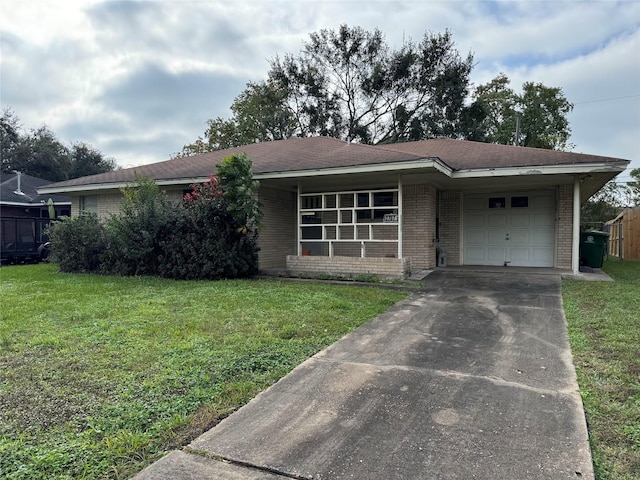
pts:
[470, 378]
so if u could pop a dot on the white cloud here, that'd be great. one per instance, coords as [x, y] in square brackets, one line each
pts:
[139, 79]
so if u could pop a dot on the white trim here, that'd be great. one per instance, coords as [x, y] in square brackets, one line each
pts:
[434, 163]
[118, 185]
[580, 168]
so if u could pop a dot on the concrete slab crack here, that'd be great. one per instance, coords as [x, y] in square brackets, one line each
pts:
[240, 463]
[454, 374]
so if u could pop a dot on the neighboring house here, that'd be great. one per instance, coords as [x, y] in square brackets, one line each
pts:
[344, 208]
[24, 214]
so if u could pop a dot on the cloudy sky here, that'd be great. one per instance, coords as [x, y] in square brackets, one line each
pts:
[138, 80]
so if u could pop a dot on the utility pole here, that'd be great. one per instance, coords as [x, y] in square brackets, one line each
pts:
[517, 142]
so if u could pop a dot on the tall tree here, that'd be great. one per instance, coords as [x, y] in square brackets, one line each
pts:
[11, 140]
[44, 157]
[350, 84]
[260, 114]
[87, 160]
[539, 113]
[605, 205]
[39, 153]
[634, 186]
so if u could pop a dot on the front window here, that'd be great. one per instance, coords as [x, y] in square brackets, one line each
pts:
[89, 204]
[362, 223]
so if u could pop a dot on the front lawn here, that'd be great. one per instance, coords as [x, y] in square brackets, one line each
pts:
[100, 375]
[604, 331]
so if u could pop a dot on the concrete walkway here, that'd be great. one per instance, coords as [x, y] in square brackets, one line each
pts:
[470, 378]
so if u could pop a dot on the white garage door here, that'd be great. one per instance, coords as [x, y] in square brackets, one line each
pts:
[509, 229]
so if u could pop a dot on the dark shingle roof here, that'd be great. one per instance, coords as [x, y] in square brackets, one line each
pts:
[27, 193]
[322, 152]
[462, 155]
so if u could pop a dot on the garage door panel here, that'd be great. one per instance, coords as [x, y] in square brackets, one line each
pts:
[475, 255]
[542, 256]
[520, 237]
[496, 255]
[543, 219]
[520, 219]
[497, 220]
[475, 237]
[476, 220]
[543, 237]
[527, 219]
[520, 256]
[495, 237]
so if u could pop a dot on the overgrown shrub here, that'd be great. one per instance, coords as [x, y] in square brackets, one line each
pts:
[207, 240]
[77, 243]
[211, 234]
[135, 232]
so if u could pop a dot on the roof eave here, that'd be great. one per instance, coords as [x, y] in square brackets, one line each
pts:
[429, 162]
[573, 169]
[90, 187]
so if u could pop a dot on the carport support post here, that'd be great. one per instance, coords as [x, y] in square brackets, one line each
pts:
[575, 247]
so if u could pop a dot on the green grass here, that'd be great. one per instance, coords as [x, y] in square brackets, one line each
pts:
[604, 331]
[101, 375]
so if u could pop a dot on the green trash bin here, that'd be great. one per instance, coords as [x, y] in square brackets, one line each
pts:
[593, 246]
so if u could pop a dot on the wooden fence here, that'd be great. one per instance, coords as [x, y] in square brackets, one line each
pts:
[624, 234]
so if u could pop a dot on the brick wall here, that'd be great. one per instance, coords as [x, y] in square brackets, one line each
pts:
[109, 202]
[106, 203]
[386, 268]
[419, 225]
[564, 241]
[277, 234]
[450, 224]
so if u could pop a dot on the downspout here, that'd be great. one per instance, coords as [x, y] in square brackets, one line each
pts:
[575, 247]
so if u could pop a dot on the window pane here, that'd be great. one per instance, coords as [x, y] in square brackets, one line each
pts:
[497, 202]
[89, 203]
[519, 202]
[363, 199]
[329, 201]
[346, 200]
[311, 233]
[311, 202]
[383, 199]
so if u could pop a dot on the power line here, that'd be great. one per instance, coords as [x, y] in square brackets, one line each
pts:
[607, 99]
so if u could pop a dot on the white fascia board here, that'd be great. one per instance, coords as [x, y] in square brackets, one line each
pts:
[433, 162]
[92, 187]
[32, 204]
[573, 169]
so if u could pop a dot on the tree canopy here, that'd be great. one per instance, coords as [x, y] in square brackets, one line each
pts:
[39, 153]
[350, 84]
[611, 200]
[634, 186]
[538, 116]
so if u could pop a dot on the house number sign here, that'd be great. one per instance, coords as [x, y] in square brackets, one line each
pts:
[390, 218]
